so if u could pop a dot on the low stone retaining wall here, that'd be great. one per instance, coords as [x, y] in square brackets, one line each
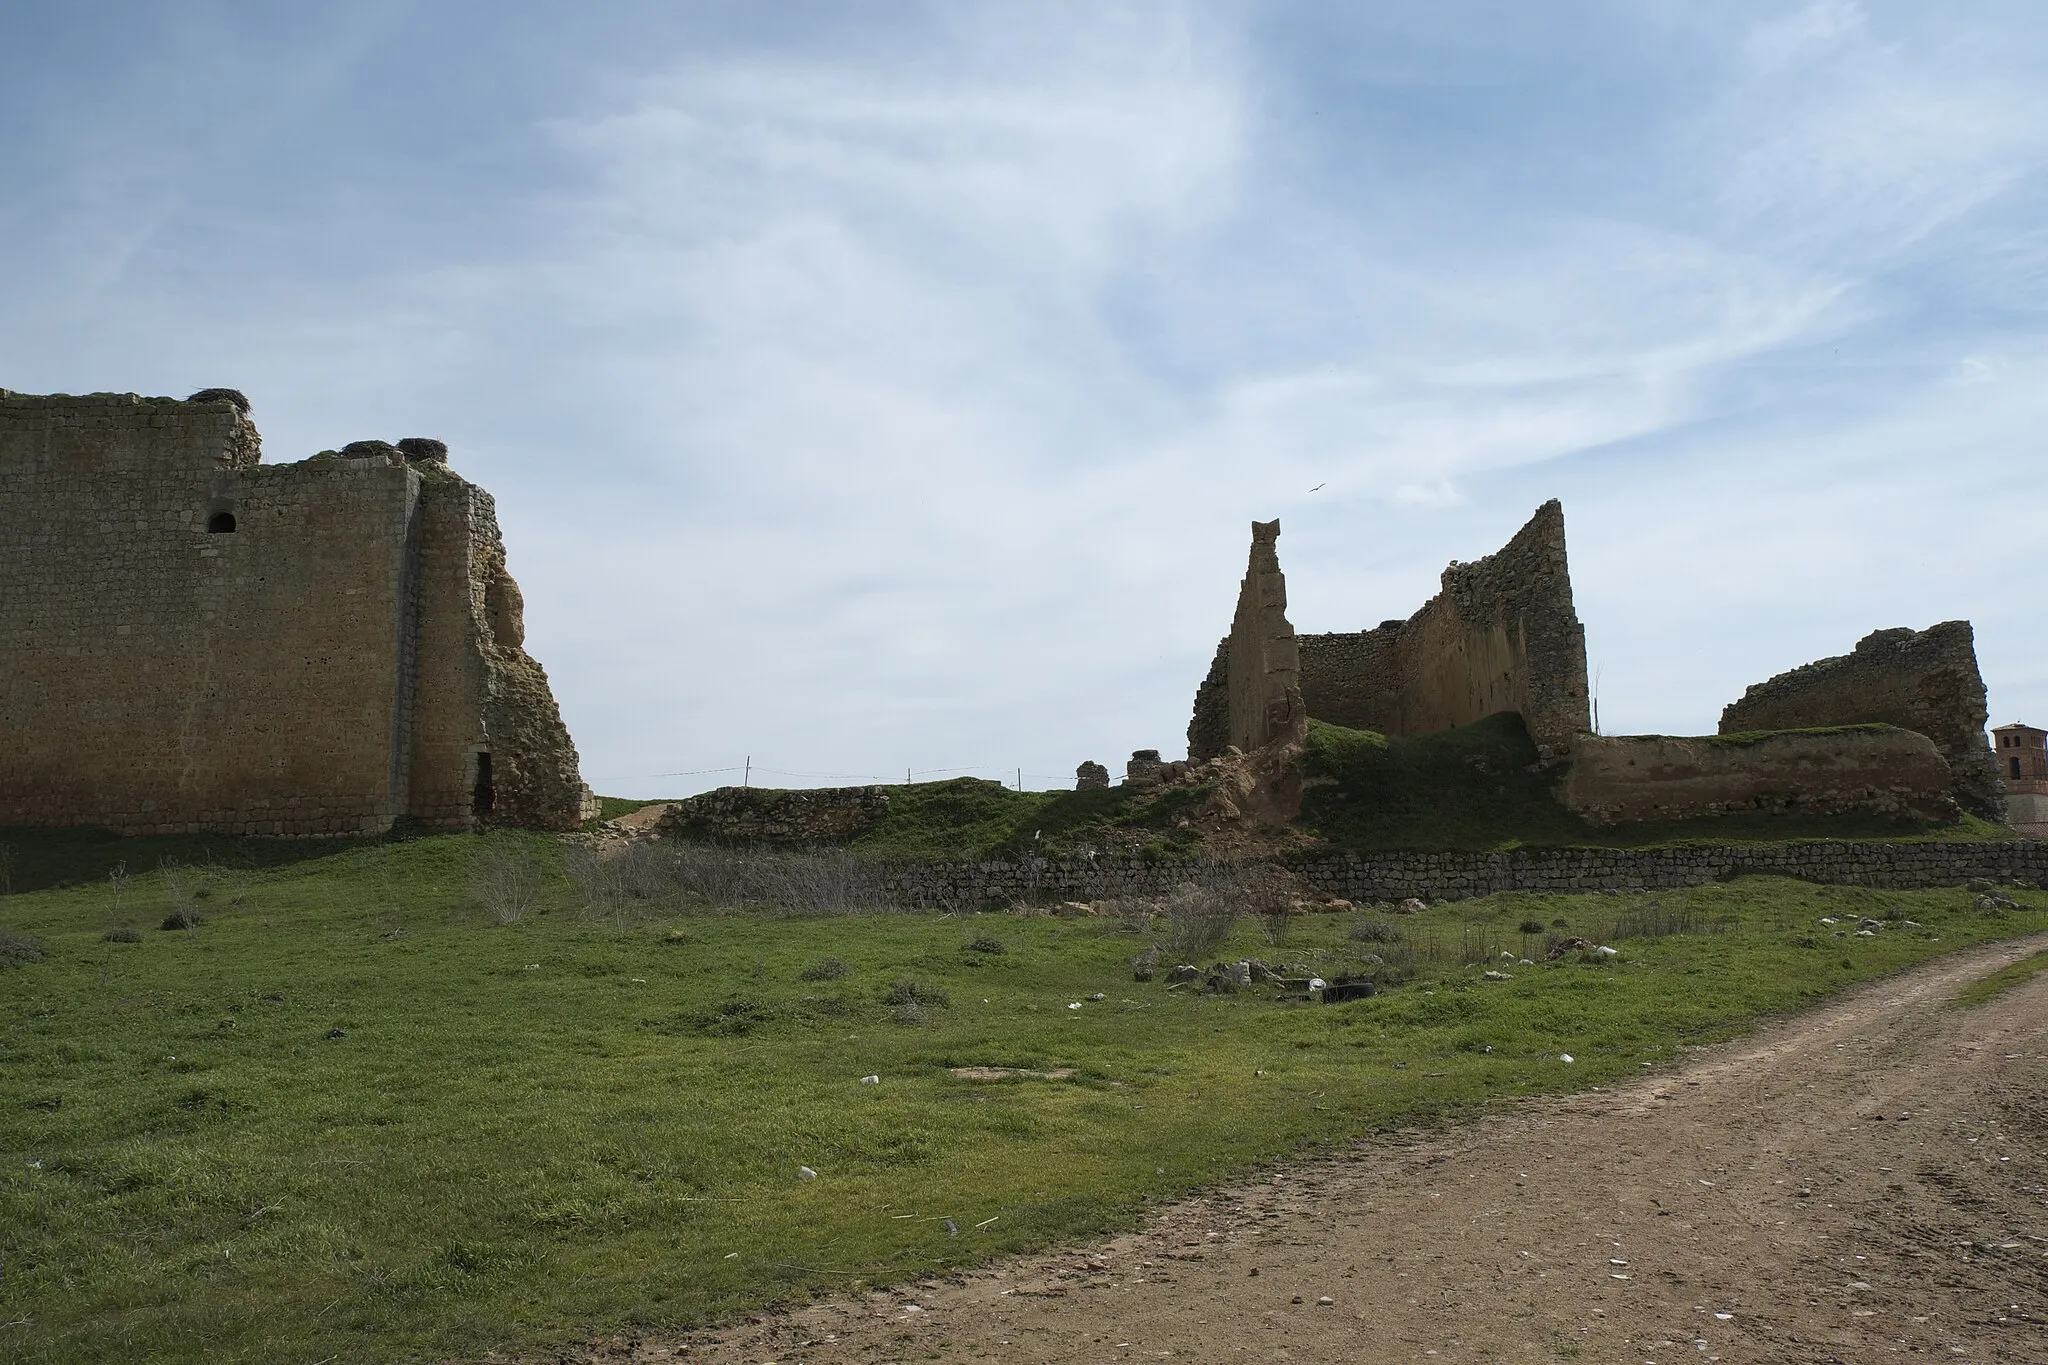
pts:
[1456, 876]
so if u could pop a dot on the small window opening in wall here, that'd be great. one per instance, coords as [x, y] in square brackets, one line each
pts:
[2015, 766]
[481, 796]
[221, 522]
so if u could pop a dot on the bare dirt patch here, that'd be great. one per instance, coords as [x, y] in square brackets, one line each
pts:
[1866, 1181]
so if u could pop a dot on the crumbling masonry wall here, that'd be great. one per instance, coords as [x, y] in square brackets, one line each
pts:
[327, 666]
[1251, 700]
[1502, 635]
[1875, 770]
[1926, 681]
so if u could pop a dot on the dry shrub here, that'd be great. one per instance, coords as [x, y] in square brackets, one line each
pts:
[1133, 914]
[624, 885]
[1198, 919]
[508, 881]
[1654, 919]
[662, 877]
[1201, 912]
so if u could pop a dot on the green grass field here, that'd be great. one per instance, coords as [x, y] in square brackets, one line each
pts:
[351, 1116]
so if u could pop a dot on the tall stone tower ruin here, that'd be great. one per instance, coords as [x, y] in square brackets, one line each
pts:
[193, 640]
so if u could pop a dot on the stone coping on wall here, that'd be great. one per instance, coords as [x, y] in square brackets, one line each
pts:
[1368, 877]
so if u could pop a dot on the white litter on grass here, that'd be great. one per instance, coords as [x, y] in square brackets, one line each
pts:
[806, 1173]
[1564, 1056]
[1076, 1005]
[1605, 951]
[1316, 983]
[871, 1080]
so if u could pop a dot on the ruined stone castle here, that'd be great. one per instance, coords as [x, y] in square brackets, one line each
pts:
[1893, 729]
[192, 640]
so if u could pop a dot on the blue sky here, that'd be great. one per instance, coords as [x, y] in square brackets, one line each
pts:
[880, 387]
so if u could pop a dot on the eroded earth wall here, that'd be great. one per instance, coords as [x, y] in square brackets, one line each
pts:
[1926, 681]
[1501, 635]
[191, 640]
[1864, 770]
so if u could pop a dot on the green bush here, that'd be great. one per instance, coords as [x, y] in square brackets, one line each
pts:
[19, 949]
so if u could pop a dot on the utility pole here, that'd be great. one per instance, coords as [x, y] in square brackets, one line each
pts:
[747, 775]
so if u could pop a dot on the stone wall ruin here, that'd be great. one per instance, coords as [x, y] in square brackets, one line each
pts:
[1875, 770]
[1501, 635]
[192, 640]
[1251, 701]
[758, 815]
[1926, 681]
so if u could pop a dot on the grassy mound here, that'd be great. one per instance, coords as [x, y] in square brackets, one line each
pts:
[1479, 786]
[973, 817]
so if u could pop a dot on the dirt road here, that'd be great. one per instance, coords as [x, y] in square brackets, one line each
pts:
[1866, 1182]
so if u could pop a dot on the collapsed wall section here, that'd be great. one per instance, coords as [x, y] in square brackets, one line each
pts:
[478, 614]
[1251, 696]
[1926, 681]
[1501, 635]
[1875, 770]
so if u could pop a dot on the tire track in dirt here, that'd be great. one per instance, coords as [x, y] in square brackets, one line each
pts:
[1866, 1181]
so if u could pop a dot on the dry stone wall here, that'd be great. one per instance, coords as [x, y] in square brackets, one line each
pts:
[752, 815]
[1456, 876]
[1926, 681]
[1865, 770]
[191, 640]
[1501, 635]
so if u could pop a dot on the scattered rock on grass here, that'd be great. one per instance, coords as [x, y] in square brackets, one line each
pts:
[1009, 1073]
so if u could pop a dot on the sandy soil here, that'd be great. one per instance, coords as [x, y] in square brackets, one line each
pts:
[1862, 1183]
